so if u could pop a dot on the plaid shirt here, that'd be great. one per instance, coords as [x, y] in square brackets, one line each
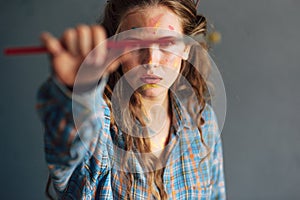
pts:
[81, 160]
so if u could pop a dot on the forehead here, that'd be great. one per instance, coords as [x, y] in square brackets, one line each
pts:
[154, 17]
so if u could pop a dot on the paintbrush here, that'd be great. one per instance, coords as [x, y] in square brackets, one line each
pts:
[26, 50]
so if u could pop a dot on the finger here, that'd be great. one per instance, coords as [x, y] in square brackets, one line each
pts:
[51, 43]
[99, 34]
[84, 39]
[99, 43]
[70, 41]
[113, 66]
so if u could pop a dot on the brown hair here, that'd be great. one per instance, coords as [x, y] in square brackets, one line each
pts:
[192, 24]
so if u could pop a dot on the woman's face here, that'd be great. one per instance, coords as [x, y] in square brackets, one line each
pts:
[154, 69]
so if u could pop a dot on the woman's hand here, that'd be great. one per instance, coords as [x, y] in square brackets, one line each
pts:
[68, 53]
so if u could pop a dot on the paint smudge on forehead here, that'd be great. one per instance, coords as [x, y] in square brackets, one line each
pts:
[154, 22]
[171, 27]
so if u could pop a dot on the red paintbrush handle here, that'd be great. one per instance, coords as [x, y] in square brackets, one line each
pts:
[25, 50]
[110, 44]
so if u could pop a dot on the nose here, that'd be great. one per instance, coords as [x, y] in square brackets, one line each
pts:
[151, 55]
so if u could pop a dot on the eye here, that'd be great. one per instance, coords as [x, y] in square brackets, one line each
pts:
[129, 44]
[171, 45]
[167, 42]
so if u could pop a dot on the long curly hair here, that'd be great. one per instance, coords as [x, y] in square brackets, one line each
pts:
[196, 74]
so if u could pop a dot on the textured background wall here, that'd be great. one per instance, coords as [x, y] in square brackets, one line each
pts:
[258, 59]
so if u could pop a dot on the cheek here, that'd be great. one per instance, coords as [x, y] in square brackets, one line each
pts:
[177, 63]
[125, 67]
[131, 74]
[171, 70]
[173, 63]
[127, 63]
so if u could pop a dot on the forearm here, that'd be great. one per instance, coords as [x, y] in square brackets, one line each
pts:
[72, 128]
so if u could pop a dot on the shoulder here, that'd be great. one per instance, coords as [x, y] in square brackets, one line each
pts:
[210, 127]
[209, 114]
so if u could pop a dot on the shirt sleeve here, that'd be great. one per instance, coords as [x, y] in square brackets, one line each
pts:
[218, 188]
[72, 128]
[216, 159]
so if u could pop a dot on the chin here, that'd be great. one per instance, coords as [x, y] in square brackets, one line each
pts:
[153, 92]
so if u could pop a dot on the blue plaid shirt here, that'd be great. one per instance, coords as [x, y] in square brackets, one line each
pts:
[81, 158]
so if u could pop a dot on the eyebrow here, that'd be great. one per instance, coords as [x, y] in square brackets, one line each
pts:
[158, 39]
[168, 38]
[131, 41]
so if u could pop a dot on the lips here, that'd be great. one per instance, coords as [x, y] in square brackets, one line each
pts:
[150, 79]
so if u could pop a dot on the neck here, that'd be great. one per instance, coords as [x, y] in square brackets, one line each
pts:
[157, 111]
[156, 106]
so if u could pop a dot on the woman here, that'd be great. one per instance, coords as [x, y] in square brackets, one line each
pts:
[154, 135]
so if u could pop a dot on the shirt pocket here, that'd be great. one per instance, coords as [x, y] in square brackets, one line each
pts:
[199, 192]
[199, 182]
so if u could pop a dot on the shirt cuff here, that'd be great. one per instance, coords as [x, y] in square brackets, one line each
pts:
[90, 99]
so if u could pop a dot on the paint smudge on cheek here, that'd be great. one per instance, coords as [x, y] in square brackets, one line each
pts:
[164, 62]
[176, 62]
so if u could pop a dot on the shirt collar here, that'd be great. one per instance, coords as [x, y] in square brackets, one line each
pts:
[180, 117]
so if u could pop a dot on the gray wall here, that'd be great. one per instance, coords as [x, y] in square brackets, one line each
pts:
[258, 59]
